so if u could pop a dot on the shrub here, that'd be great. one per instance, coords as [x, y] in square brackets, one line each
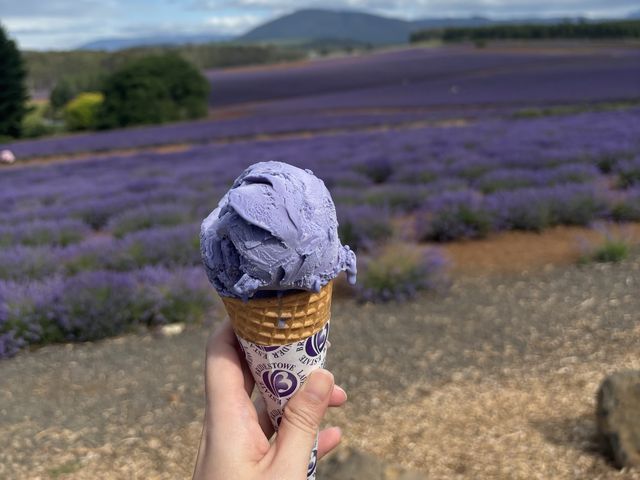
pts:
[611, 251]
[363, 226]
[628, 172]
[453, 215]
[13, 90]
[82, 113]
[154, 89]
[35, 124]
[378, 169]
[43, 232]
[17, 263]
[627, 208]
[522, 209]
[94, 305]
[614, 249]
[147, 217]
[396, 197]
[399, 272]
[169, 246]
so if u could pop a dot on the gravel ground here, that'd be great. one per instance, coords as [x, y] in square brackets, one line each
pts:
[497, 379]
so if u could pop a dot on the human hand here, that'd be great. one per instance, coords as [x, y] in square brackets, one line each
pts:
[235, 436]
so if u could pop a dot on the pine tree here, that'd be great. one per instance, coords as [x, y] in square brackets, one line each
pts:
[13, 90]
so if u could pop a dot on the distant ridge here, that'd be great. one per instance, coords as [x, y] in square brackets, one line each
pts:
[312, 25]
[315, 24]
[113, 44]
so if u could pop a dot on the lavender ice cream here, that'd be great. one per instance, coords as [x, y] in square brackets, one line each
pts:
[275, 229]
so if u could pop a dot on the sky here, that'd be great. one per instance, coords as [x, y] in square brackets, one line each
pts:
[66, 24]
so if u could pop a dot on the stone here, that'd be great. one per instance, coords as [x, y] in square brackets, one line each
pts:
[351, 464]
[618, 417]
[172, 329]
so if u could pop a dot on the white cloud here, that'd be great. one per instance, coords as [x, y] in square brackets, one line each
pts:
[232, 24]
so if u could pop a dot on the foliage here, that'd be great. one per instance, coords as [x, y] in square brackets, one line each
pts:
[363, 227]
[13, 91]
[72, 85]
[612, 250]
[566, 30]
[82, 113]
[97, 304]
[154, 89]
[399, 272]
[36, 122]
[48, 70]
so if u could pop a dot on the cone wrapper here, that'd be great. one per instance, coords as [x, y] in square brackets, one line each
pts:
[283, 341]
[280, 370]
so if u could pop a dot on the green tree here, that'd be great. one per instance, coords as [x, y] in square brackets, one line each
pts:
[61, 94]
[82, 112]
[154, 89]
[13, 90]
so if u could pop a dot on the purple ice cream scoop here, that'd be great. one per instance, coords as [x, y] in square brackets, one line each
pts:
[275, 229]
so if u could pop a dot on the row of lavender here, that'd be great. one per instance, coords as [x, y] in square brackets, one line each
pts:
[85, 228]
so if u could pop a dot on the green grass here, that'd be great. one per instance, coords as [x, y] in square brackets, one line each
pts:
[66, 468]
[611, 251]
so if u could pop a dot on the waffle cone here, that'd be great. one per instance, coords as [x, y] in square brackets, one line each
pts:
[279, 321]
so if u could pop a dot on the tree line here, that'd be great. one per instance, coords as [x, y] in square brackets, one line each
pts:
[84, 67]
[620, 29]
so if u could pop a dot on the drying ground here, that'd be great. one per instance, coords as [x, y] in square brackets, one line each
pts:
[496, 379]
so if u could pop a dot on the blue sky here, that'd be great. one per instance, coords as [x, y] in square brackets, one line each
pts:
[62, 24]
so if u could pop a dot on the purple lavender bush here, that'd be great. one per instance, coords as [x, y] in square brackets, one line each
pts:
[145, 217]
[399, 272]
[452, 216]
[363, 226]
[94, 305]
[628, 172]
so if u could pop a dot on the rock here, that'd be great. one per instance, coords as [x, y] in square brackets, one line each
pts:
[171, 330]
[618, 416]
[352, 464]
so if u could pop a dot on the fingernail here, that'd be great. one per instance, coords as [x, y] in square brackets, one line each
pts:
[340, 389]
[319, 384]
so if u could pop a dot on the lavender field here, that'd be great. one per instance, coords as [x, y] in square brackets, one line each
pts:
[76, 235]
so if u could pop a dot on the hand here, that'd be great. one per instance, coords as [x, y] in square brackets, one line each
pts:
[235, 436]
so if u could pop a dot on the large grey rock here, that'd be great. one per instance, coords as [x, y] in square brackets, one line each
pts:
[618, 415]
[352, 464]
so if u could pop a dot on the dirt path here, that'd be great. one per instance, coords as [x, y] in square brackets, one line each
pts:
[495, 380]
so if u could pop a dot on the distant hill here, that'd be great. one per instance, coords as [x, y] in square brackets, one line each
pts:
[315, 24]
[304, 27]
[634, 14]
[114, 44]
[324, 24]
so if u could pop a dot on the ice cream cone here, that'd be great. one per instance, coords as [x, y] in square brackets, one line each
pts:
[283, 339]
[280, 320]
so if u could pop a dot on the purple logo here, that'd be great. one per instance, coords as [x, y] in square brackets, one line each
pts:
[315, 344]
[280, 382]
[268, 349]
[312, 463]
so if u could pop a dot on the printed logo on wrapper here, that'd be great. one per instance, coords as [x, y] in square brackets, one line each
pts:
[312, 463]
[268, 349]
[280, 383]
[316, 343]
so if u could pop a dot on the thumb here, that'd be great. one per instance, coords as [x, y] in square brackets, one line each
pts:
[300, 422]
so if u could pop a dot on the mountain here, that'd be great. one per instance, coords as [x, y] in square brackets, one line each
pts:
[315, 24]
[634, 15]
[325, 24]
[113, 44]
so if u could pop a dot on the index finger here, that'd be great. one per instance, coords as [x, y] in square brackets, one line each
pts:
[226, 373]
